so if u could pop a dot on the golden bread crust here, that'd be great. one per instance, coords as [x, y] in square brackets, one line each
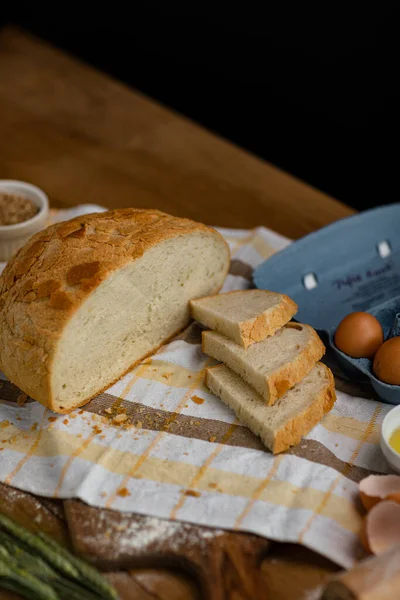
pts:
[49, 278]
[295, 371]
[302, 424]
[256, 330]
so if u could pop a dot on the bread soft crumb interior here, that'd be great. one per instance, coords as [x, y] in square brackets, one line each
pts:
[131, 313]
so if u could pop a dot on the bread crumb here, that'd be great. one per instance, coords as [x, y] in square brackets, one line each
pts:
[139, 424]
[4, 424]
[120, 418]
[102, 437]
[81, 412]
[72, 416]
[123, 492]
[94, 417]
[108, 411]
[197, 399]
[96, 429]
[65, 421]
[34, 427]
[78, 435]
[192, 493]
[52, 419]
[186, 454]
[197, 422]
[121, 409]
[22, 398]
[212, 438]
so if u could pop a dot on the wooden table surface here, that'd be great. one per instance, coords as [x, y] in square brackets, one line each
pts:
[85, 138]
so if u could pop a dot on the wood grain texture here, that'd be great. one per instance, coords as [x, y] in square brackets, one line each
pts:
[221, 562]
[34, 513]
[232, 566]
[85, 138]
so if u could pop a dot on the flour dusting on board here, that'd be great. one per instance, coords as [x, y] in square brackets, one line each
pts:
[131, 536]
[312, 594]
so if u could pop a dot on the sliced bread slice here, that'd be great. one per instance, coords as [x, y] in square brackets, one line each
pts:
[273, 366]
[244, 316]
[293, 416]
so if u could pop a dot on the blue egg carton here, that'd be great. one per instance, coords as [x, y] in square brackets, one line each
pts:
[351, 265]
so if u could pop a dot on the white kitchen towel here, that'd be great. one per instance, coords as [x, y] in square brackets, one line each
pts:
[159, 443]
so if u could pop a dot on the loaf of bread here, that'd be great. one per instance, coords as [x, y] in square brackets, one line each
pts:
[85, 300]
[244, 316]
[273, 366]
[292, 416]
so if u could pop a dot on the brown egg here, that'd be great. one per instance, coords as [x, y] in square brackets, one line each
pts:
[359, 335]
[387, 362]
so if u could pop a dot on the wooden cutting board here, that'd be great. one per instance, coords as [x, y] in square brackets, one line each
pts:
[148, 558]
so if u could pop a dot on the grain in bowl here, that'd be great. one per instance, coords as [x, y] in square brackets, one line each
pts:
[16, 209]
[24, 210]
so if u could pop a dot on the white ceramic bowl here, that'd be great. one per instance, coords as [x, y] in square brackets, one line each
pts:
[390, 423]
[12, 237]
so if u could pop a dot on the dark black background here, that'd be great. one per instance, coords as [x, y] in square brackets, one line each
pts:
[314, 92]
